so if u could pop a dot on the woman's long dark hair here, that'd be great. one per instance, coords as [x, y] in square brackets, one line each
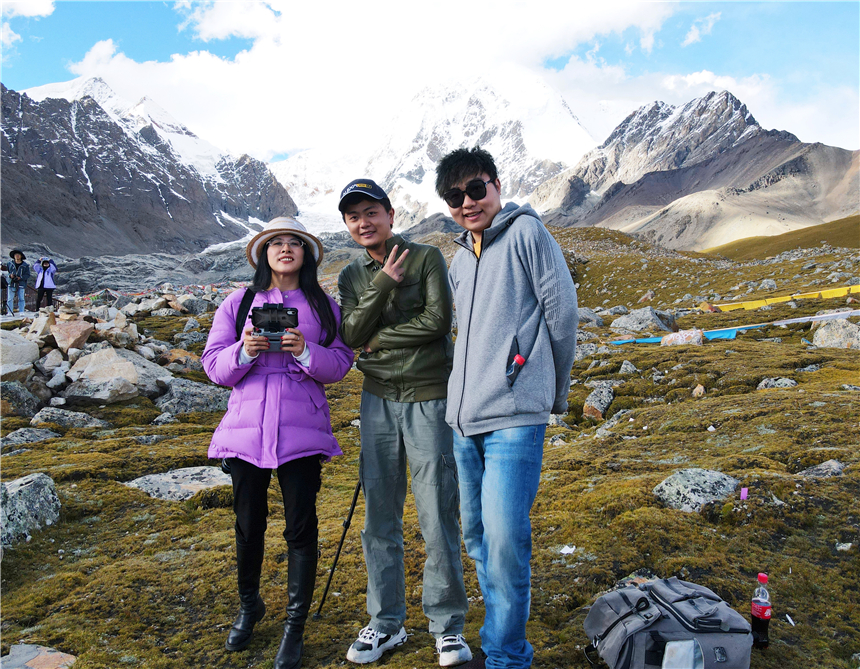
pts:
[308, 284]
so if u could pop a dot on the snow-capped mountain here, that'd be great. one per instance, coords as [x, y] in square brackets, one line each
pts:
[532, 136]
[86, 172]
[702, 175]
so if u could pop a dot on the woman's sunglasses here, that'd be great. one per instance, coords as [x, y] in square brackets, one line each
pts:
[476, 189]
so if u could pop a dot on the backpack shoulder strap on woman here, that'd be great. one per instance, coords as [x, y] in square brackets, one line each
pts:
[242, 313]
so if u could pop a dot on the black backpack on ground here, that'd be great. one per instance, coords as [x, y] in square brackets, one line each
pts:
[667, 623]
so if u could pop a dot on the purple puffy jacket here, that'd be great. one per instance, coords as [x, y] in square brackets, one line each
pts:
[278, 409]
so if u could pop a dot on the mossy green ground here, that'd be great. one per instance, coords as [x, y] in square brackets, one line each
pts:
[125, 580]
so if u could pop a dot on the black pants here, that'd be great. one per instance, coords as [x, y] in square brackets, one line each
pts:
[300, 482]
[44, 291]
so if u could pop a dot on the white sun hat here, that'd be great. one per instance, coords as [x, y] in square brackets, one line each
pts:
[282, 225]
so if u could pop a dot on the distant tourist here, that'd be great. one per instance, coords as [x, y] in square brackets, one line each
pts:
[397, 309]
[46, 270]
[516, 338]
[19, 273]
[277, 419]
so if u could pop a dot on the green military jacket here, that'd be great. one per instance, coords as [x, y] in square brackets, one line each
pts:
[406, 325]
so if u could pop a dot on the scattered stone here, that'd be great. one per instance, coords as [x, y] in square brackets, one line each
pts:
[71, 334]
[584, 335]
[152, 304]
[17, 350]
[647, 297]
[29, 504]
[781, 382]
[707, 307]
[699, 391]
[58, 401]
[28, 656]
[557, 440]
[619, 310]
[824, 470]
[589, 319]
[150, 439]
[844, 546]
[837, 334]
[22, 373]
[848, 386]
[584, 351]
[191, 324]
[180, 484]
[148, 373]
[185, 359]
[48, 363]
[165, 418]
[690, 489]
[186, 338]
[27, 435]
[641, 319]
[627, 367]
[184, 395]
[166, 312]
[683, 338]
[86, 391]
[598, 401]
[194, 305]
[557, 421]
[17, 400]
[66, 418]
[810, 368]
[767, 284]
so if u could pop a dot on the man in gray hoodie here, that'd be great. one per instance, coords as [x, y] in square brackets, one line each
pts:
[516, 339]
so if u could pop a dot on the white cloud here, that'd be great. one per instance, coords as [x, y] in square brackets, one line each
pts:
[29, 8]
[8, 37]
[700, 27]
[330, 72]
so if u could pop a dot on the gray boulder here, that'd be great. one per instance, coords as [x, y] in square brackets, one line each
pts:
[180, 484]
[619, 310]
[191, 324]
[88, 391]
[646, 318]
[627, 367]
[24, 655]
[584, 351]
[48, 363]
[28, 504]
[17, 400]
[839, 333]
[148, 373]
[589, 319]
[66, 418]
[824, 470]
[22, 373]
[184, 396]
[690, 489]
[27, 435]
[17, 350]
[767, 284]
[767, 384]
[598, 401]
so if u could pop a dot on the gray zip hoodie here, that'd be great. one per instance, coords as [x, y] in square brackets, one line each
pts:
[517, 298]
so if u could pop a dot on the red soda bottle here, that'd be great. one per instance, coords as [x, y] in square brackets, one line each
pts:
[760, 615]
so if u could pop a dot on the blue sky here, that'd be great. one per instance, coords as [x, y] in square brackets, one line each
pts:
[282, 66]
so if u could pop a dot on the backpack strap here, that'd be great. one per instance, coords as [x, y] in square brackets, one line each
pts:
[242, 313]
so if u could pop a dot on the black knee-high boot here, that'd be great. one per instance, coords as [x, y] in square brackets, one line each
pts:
[249, 563]
[301, 578]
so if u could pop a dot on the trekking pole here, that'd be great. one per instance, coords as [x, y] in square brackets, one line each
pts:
[346, 524]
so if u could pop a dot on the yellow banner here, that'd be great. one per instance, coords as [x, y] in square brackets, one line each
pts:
[821, 294]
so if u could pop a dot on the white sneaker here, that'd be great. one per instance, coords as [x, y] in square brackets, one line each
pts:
[370, 645]
[453, 650]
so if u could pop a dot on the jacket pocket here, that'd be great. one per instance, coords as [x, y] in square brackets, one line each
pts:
[409, 296]
[512, 371]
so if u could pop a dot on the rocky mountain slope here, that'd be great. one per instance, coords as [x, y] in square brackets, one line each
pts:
[532, 133]
[85, 172]
[702, 175]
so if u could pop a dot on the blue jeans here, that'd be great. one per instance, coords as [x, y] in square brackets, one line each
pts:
[10, 297]
[499, 475]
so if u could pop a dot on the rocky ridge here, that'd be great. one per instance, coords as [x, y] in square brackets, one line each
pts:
[90, 174]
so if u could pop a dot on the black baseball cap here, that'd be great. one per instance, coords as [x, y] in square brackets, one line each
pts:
[366, 187]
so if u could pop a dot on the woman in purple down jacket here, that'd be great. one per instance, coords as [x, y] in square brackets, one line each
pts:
[277, 418]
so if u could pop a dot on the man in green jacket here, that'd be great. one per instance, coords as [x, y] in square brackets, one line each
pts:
[396, 307]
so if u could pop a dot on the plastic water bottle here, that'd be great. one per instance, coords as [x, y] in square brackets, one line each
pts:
[760, 614]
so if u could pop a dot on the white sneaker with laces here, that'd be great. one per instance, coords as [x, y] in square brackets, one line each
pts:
[453, 650]
[371, 644]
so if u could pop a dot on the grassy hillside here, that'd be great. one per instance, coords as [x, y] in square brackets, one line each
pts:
[843, 233]
[125, 580]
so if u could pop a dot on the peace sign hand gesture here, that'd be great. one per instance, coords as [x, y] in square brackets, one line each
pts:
[393, 265]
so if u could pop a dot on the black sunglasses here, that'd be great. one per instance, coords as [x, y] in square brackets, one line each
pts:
[476, 189]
